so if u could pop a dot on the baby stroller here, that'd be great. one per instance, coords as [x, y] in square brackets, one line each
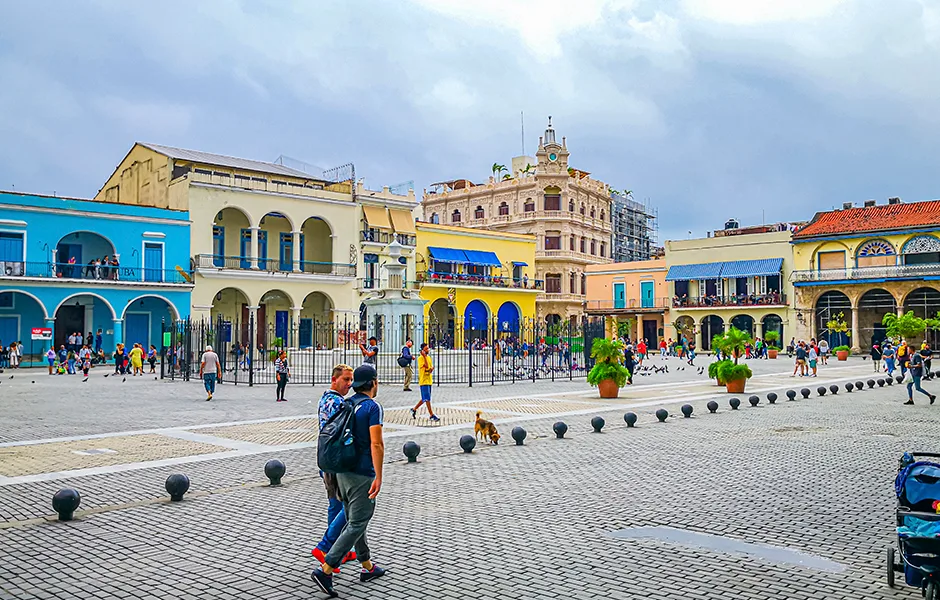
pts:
[918, 523]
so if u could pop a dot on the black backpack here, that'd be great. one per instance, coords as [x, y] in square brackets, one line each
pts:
[336, 446]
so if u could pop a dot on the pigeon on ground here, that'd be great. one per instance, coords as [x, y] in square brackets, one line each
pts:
[124, 379]
[11, 377]
[84, 380]
[106, 374]
[34, 382]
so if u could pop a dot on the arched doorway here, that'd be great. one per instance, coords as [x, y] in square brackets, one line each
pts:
[441, 325]
[872, 307]
[507, 318]
[76, 251]
[685, 328]
[833, 306]
[925, 303]
[276, 243]
[744, 323]
[144, 318]
[712, 325]
[19, 313]
[476, 319]
[231, 240]
[230, 306]
[772, 323]
[316, 246]
[553, 319]
[274, 327]
[82, 313]
[316, 327]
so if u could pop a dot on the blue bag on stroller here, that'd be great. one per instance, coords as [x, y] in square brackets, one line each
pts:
[917, 487]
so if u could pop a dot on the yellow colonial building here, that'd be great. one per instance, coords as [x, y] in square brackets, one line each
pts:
[734, 277]
[863, 262]
[475, 280]
[271, 243]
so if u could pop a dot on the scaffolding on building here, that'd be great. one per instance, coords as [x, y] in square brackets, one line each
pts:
[635, 228]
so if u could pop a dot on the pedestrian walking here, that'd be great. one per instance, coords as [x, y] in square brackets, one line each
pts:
[824, 352]
[889, 354]
[800, 360]
[137, 360]
[282, 373]
[152, 358]
[50, 358]
[209, 371]
[692, 353]
[404, 361]
[876, 356]
[98, 341]
[914, 376]
[359, 488]
[425, 381]
[331, 400]
[812, 356]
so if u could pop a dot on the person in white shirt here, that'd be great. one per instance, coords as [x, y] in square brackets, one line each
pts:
[209, 368]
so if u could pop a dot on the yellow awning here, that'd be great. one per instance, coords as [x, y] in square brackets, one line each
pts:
[402, 220]
[376, 216]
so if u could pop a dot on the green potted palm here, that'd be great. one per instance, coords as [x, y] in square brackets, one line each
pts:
[718, 345]
[838, 325]
[772, 337]
[608, 372]
[734, 375]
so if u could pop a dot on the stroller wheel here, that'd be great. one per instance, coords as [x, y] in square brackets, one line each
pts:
[890, 566]
[932, 592]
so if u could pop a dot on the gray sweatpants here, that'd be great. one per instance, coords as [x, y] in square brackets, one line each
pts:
[354, 492]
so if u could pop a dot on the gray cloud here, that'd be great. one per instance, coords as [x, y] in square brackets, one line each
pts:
[710, 108]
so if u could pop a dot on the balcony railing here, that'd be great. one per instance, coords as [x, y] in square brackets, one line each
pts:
[887, 272]
[367, 283]
[560, 297]
[102, 274]
[243, 263]
[571, 255]
[731, 301]
[479, 280]
[652, 304]
[385, 237]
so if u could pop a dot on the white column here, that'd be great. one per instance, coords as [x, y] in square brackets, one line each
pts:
[296, 249]
[639, 329]
[89, 319]
[295, 326]
[855, 341]
[55, 256]
[253, 257]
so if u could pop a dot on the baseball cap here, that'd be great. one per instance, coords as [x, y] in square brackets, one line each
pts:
[364, 375]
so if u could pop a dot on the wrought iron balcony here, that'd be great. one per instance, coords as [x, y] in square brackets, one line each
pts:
[102, 275]
[243, 263]
[730, 301]
[433, 277]
[632, 305]
[888, 272]
[377, 236]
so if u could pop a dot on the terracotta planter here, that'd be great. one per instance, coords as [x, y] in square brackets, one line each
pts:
[771, 353]
[842, 355]
[736, 386]
[608, 388]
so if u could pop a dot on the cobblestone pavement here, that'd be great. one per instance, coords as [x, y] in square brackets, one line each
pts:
[813, 475]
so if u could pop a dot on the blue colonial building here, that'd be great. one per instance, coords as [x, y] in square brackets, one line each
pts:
[76, 265]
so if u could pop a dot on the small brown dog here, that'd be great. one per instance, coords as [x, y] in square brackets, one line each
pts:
[485, 429]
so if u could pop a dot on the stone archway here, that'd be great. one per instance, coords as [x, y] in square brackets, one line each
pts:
[833, 305]
[872, 306]
[712, 325]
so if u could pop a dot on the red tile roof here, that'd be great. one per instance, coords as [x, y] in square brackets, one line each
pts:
[886, 217]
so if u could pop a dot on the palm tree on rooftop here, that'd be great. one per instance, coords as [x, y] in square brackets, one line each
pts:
[497, 169]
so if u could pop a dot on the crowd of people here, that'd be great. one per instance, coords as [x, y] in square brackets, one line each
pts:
[108, 267]
[772, 297]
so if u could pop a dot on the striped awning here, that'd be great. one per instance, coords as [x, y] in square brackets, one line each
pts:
[751, 268]
[694, 272]
[402, 221]
[376, 216]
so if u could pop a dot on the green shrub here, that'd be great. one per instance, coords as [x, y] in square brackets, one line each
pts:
[713, 368]
[772, 338]
[728, 371]
[842, 349]
[608, 357]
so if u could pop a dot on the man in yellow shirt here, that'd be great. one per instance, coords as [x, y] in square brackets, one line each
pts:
[425, 380]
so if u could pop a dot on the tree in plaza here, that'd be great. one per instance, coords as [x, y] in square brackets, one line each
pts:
[733, 342]
[908, 325]
[772, 338]
[838, 325]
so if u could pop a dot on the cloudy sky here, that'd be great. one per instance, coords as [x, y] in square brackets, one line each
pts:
[753, 109]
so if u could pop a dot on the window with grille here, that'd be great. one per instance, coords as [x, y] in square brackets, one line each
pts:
[478, 213]
[572, 283]
[552, 241]
[553, 283]
[583, 245]
[552, 202]
[503, 209]
[571, 244]
[529, 205]
[455, 218]
[593, 248]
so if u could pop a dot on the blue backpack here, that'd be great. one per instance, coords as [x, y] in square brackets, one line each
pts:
[336, 448]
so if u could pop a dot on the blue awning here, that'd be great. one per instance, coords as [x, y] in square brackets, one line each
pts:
[752, 268]
[447, 255]
[519, 263]
[694, 272]
[482, 258]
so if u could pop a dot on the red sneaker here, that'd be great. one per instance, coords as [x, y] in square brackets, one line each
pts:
[350, 556]
[321, 557]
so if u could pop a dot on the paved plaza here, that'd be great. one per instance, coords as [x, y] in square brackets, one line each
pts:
[546, 520]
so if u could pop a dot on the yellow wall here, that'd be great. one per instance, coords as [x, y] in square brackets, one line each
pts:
[142, 178]
[508, 247]
[805, 253]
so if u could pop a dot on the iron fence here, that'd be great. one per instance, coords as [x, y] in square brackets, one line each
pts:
[470, 353]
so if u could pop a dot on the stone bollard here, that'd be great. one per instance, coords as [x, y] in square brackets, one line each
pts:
[411, 450]
[859, 385]
[176, 485]
[889, 380]
[598, 423]
[467, 442]
[687, 410]
[662, 414]
[65, 502]
[849, 387]
[821, 391]
[791, 395]
[274, 470]
[735, 403]
[834, 389]
[754, 400]
[712, 406]
[772, 398]
[805, 392]
[881, 382]
[560, 429]
[871, 383]
[899, 379]
[518, 434]
[630, 419]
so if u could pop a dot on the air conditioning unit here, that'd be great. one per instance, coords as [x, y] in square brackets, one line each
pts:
[846, 205]
[894, 200]
[869, 203]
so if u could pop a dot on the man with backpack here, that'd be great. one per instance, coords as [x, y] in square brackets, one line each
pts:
[351, 446]
[404, 361]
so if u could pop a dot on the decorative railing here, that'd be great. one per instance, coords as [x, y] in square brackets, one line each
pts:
[374, 283]
[730, 301]
[560, 297]
[479, 280]
[101, 273]
[631, 304]
[886, 272]
[243, 263]
[376, 236]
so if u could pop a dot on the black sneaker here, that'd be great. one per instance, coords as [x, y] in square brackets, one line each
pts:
[414, 414]
[375, 573]
[932, 398]
[909, 403]
[324, 582]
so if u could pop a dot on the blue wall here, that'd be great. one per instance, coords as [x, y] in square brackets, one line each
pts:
[101, 229]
